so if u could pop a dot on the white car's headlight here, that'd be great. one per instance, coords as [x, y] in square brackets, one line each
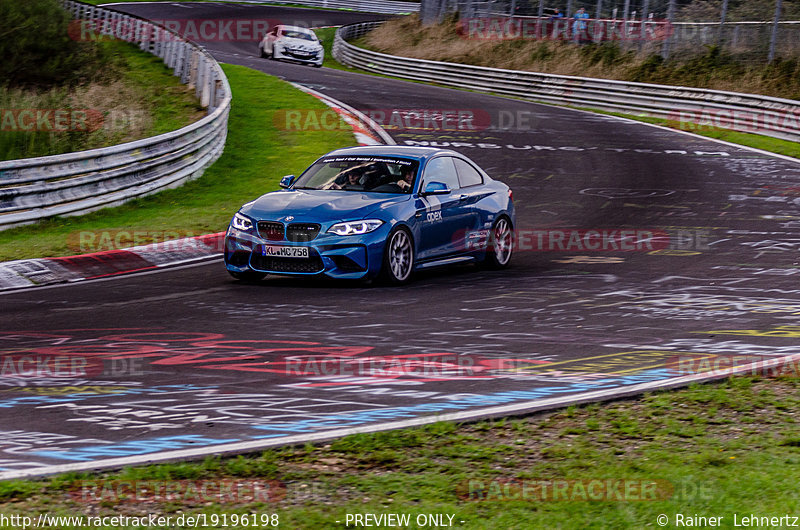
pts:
[240, 222]
[352, 228]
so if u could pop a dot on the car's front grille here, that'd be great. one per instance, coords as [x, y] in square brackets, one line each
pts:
[301, 54]
[302, 232]
[298, 265]
[270, 230]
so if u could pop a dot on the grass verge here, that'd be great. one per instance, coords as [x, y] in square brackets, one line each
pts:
[731, 447]
[256, 155]
[137, 97]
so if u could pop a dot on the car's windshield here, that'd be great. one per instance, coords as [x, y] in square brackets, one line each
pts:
[360, 173]
[295, 34]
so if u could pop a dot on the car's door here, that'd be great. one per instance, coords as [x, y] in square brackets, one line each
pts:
[472, 194]
[443, 219]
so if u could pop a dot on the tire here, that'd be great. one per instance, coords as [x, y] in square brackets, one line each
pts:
[398, 257]
[501, 244]
[248, 276]
[262, 53]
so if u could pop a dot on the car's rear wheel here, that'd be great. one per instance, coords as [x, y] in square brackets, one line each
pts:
[398, 260]
[501, 244]
[261, 52]
[248, 276]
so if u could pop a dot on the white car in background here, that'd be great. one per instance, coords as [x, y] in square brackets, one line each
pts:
[292, 43]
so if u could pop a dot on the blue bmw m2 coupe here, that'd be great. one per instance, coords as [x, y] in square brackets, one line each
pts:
[376, 211]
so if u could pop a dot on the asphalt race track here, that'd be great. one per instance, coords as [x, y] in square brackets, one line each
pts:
[186, 361]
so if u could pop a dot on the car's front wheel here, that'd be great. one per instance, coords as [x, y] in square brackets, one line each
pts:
[501, 244]
[398, 260]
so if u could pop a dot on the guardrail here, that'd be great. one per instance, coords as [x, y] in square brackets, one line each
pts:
[776, 117]
[32, 189]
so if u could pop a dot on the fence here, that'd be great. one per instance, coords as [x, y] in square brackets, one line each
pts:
[37, 188]
[779, 118]
[765, 28]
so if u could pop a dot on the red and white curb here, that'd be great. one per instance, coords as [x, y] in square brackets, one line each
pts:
[44, 271]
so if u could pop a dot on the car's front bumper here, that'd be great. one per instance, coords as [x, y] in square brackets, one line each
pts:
[343, 257]
[302, 57]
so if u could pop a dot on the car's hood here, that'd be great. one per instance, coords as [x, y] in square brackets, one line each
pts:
[300, 43]
[319, 205]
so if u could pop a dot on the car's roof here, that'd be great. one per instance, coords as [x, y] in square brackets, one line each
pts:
[420, 153]
[295, 28]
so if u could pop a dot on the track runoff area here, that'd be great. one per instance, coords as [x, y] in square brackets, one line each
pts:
[646, 258]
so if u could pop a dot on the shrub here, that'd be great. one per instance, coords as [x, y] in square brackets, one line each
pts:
[37, 50]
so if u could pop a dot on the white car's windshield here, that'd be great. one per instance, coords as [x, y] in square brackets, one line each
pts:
[360, 173]
[294, 34]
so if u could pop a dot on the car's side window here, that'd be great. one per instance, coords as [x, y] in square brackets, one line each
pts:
[467, 174]
[441, 169]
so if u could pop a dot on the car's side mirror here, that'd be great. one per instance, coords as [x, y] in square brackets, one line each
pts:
[286, 181]
[436, 188]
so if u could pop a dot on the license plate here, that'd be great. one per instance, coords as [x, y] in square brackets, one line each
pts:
[279, 251]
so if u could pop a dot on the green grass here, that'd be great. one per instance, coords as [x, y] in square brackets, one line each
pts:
[256, 155]
[137, 97]
[716, 449]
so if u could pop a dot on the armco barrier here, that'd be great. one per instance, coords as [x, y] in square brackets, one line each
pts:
[776, 117]
[37, 188]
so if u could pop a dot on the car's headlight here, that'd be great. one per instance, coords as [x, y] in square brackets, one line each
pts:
[240, 222]
[352, 228]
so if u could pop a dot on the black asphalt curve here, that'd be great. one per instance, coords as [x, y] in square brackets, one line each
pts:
[645, 258]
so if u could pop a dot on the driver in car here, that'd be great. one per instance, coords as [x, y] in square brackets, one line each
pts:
[350, 179]
[407, 178]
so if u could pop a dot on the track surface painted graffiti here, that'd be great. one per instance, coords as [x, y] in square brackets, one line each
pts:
[189, 358]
